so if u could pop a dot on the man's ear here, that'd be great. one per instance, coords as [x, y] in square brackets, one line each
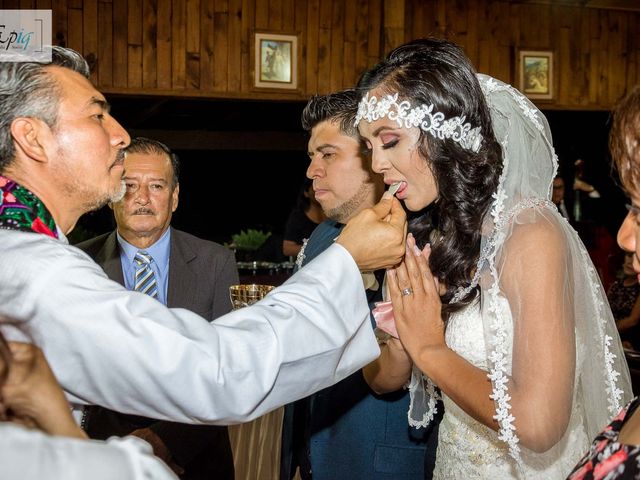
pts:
[175, 197]
[27, 133]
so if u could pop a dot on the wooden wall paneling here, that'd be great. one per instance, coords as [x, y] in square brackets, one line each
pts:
[349, 72]
[120, 43]
[90, 36]
[393, 25]
[457, 22]
[500, 60]
[603, 57]
[300, 26]
[580, 44]
[637, 43]
[375, 47]
[46, 5]
[593, 71]
[440, 24]
[234, 62]
[565, 86]
[618, 61]
[634, 52]
[471, 40]
[337, 46]
[59, 20]
[248, 21]
[275, 22]
[220, 45]
[178, 44]
[414, 19]
[74, 35]
[262, 14]
[289, 15]
[564, 38]
[164, 41]
[191, 46]
[541, 25]
[11, 4]
[484, 54]
[324, 47]
[27, 4]
[105, 45]
[485, 41]
[534, 26]
[417, 19]
[134, 43]
[312, 48]
[207, 60]
[149, 44]
[362, 37]
[192, 73]
[631, 42]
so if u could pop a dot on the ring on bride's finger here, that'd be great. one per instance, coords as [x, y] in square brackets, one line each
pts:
[407, 291]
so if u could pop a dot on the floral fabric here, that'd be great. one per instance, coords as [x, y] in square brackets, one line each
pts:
[22, 210]
[607, 458]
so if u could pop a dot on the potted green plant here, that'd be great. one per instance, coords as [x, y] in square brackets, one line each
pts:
[247, 242]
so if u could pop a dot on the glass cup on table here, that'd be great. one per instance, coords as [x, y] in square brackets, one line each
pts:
[243, 295]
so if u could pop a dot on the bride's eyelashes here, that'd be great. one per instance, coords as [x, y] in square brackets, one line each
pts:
[390, 144]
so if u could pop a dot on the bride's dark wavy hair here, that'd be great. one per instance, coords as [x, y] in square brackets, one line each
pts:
[432, 71]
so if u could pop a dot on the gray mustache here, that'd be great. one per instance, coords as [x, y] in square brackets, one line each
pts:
[143, 211]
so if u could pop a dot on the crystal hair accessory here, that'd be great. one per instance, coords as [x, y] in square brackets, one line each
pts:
[371, 109]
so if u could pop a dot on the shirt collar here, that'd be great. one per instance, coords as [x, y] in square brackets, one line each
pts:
[159, 251]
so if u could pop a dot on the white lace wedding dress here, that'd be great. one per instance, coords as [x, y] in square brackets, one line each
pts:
[468, 450]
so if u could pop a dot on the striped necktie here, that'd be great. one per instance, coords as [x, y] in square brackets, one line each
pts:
[145, 279]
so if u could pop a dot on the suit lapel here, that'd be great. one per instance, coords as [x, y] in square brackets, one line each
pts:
[109, 258]
[183, 283]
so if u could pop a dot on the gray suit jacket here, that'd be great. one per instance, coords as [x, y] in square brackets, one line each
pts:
[200, 273]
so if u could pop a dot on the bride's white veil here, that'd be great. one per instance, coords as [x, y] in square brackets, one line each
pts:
[601, 384]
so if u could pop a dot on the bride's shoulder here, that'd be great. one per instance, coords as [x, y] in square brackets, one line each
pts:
[539, 231]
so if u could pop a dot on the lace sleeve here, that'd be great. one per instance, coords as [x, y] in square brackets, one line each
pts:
[533, 378]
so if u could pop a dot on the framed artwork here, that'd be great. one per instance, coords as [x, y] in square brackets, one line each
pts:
[535, 73]
[276, 61]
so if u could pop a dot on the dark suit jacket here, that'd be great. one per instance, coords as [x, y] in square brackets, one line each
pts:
[200, 273]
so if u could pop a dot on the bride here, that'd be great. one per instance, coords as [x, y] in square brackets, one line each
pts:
[497, 304]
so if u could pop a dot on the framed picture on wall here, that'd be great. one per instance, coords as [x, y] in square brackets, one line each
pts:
[276, 61]
[535, 73]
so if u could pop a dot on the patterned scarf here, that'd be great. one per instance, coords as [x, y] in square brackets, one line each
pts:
[22, 210]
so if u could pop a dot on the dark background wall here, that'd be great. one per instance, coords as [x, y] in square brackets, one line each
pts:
[216, 182]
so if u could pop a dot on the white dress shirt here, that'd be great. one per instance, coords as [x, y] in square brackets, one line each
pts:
[128, 352]
[32, 455]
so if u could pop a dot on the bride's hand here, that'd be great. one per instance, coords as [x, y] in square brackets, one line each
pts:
[418, 314]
